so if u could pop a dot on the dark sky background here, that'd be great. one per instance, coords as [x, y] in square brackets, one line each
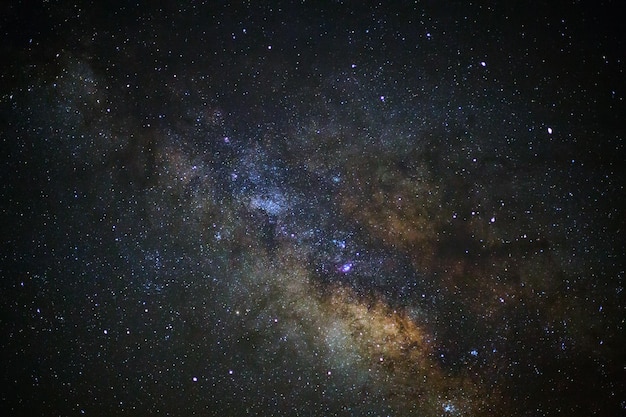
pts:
[312, 208]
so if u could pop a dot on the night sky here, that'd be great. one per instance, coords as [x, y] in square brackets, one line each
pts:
[312, 208]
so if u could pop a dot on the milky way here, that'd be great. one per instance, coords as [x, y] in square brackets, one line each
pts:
[404, 210]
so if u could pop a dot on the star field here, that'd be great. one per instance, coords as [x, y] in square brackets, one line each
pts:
[312, 208]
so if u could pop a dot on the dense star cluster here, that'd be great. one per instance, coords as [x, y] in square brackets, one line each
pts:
[312, 209]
